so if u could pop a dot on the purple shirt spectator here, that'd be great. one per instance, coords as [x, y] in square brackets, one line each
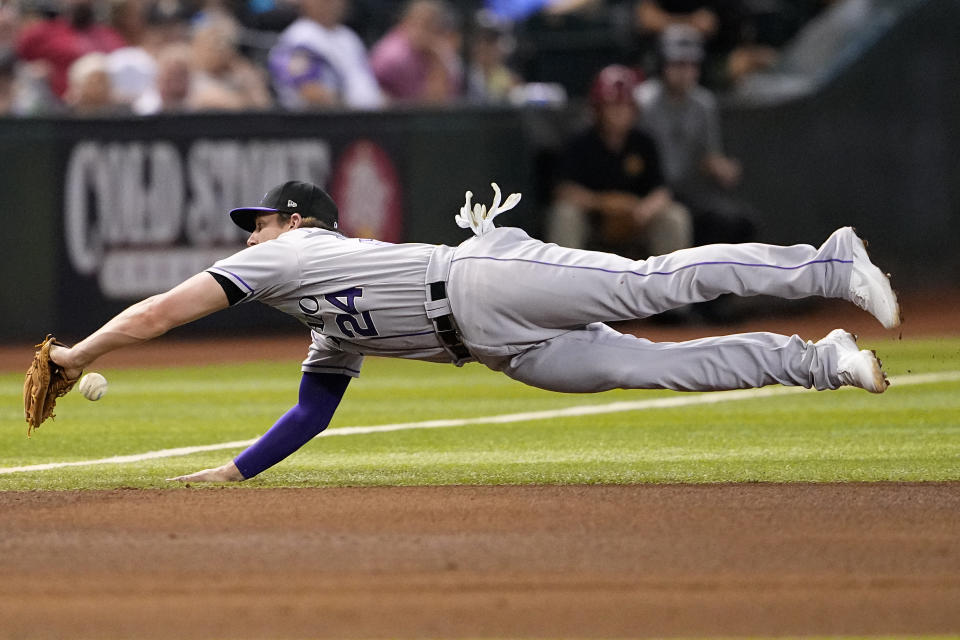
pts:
[319, 62]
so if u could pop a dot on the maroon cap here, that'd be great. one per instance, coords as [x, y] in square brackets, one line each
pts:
[614, 84]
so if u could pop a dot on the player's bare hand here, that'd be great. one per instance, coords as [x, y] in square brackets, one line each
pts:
[226, 473]
[64, 357]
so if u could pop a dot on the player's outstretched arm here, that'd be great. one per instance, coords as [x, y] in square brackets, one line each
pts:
[320, 395]
[191, 300]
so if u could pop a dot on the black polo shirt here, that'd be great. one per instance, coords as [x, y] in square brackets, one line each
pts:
[634, 169]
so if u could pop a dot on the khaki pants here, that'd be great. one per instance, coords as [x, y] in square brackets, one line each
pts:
[670, 229]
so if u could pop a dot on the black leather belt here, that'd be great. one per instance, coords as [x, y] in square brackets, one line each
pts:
[446, 325]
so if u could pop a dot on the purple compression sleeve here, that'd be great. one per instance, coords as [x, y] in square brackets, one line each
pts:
[320, 394]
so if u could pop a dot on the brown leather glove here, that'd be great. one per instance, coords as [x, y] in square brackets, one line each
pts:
[44, 383]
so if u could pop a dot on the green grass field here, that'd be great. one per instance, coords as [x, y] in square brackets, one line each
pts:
[910, 433]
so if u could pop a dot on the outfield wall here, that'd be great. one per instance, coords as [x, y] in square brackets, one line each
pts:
[101, 213]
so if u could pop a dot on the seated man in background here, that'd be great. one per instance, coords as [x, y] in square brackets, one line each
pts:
[683, 119]
[611, 195]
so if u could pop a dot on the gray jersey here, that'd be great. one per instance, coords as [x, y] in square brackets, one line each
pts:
[358, 296]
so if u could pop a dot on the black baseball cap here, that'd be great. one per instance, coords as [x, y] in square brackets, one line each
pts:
[309, 200]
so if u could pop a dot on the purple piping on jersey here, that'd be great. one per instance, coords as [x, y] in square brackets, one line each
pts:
[653, 273]
[249, 288]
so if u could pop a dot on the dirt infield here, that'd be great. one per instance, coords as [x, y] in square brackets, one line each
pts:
[471, 562]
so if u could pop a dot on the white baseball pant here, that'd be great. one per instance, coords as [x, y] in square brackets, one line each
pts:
[534, 311]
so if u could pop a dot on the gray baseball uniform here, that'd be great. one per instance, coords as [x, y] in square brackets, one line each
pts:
[535, 310]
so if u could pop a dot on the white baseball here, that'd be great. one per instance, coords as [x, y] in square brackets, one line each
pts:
[93, 386]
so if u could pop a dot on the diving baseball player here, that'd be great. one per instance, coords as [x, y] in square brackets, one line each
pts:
[532, 310]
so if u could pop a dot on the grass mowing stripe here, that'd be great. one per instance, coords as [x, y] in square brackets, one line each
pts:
[681, 400]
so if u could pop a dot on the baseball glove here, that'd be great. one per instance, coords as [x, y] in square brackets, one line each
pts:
[44, 383]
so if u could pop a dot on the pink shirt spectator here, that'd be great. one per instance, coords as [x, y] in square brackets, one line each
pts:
[401, 71]
[60, 44]
[408, 74]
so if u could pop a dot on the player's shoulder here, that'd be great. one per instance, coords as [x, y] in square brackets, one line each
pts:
[308, 236]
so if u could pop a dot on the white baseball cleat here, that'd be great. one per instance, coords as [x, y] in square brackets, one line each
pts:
[856, 367]
[870, 288]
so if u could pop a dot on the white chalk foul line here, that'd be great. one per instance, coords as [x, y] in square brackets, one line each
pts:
[681, 400]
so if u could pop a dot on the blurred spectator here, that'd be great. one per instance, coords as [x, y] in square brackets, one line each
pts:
[8, 82]
[219, 11]
[419, 60]
[762, 27]
[62, 40]
[268, 15]
[132, 68]
[740, 36]
[711, 19]
[491, 42]
[168, 22]
[129, 19]
[752, 52]
[319, 62]
[224, 79]
[654, 16]
[611, 195]
[523, 9]
[24, 87]
[683, 118]
[148, 30]
[170, 92]
[88, 87]
[132, 72]
[9, 24]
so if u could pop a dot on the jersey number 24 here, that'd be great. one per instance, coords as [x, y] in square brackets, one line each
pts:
[352, 323]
